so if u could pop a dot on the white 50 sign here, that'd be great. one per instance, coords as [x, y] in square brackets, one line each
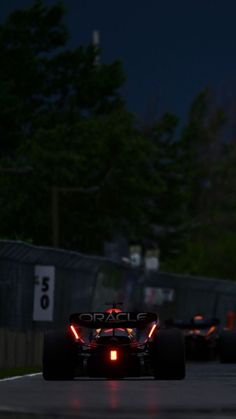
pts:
[44, 293]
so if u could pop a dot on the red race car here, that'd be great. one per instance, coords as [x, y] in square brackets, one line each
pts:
[114, 344]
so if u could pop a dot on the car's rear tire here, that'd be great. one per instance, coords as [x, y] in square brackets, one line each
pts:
[168, 355]
[59, 356]
[227, 347]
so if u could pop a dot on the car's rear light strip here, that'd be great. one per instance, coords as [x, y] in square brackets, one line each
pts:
[211, 330]
[76, 334]
[152, 331]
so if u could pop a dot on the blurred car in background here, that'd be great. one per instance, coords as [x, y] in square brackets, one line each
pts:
[205, 340]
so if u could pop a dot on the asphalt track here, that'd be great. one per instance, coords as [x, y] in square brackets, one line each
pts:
[208, 392]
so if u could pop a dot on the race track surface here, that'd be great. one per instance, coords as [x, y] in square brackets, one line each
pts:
[208, 392]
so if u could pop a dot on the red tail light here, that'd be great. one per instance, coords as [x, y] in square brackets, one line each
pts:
[210, 331]
[152, 330]
[113, 355]
[76, 334]
[74, 331]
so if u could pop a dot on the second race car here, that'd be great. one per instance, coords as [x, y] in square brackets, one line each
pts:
[205, 340]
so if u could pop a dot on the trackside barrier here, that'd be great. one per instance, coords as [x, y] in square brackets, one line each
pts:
[20, 349]
[40, 287]
[183, 296]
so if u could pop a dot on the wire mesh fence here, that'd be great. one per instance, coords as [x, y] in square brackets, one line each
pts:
[40, 287]
[183, 296]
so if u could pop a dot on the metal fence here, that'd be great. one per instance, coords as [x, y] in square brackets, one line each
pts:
[83, 282]
[79, 282]
[183, 296]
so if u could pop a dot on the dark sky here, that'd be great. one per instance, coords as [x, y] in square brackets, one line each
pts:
[170, 49]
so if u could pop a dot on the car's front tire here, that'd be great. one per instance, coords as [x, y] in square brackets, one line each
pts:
[59, 356]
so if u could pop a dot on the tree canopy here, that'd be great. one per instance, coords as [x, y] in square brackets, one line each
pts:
[63, 118]
[76, 169]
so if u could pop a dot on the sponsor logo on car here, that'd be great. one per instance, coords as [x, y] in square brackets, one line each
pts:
[112, 317]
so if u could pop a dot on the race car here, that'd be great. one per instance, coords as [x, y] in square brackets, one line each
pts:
[114, 344]
[204, 340]
[201, 336]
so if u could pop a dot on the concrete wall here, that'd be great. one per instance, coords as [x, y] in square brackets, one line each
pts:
[20, 349]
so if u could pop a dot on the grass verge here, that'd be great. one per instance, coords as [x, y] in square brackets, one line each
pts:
[12, 372]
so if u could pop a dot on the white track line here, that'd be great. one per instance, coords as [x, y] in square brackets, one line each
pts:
[20, 376]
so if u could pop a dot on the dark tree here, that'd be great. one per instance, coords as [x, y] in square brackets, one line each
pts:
[62, 116]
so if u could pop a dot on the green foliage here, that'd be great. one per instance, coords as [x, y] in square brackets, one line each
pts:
[13, 372]
[212, 255]
[64, 118]
[168, 208]
[64, 122]
[210, 239]
[202, 137]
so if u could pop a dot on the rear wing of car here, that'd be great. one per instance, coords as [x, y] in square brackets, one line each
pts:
[192, 324]
[113, 320]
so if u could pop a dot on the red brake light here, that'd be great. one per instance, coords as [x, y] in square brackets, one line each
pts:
[198, 317]
[113, 355]
[113, 310]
